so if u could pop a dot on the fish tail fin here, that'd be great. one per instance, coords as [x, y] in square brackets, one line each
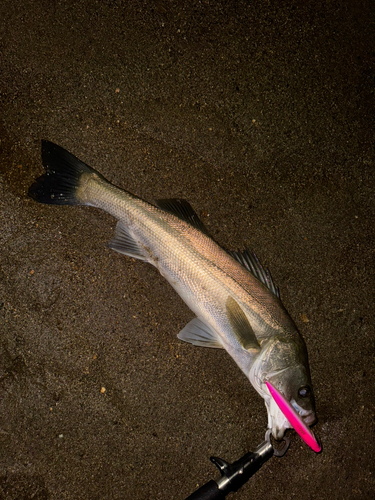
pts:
[59, 184]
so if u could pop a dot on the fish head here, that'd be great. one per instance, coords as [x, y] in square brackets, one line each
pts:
[295, 385]
[284, 364]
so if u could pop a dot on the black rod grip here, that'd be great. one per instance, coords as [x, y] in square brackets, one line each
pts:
[209, 491]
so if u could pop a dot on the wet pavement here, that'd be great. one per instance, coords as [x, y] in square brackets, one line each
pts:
[261, 115]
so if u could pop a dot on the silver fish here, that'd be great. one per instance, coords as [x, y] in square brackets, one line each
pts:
[236, 303]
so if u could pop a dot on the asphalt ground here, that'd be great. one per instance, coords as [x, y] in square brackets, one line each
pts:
[260, 114]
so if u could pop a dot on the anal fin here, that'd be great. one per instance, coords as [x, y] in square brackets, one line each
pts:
[123, 242]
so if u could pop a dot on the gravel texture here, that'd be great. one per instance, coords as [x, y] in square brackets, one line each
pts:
[261, 115]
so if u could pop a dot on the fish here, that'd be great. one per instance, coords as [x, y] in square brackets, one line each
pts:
[236, 303]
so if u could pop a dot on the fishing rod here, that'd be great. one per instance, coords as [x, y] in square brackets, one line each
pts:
[235, 475]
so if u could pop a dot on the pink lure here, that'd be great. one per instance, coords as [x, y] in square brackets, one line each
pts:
[294, 419]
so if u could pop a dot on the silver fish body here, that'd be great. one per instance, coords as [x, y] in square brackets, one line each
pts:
[235, 309]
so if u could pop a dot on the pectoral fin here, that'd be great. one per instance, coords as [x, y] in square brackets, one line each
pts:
[198, 333]
[241, 326]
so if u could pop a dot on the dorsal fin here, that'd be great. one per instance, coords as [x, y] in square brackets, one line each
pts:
[183, 210]
[251, 262]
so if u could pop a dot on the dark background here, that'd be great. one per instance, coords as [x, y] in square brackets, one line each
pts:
[260, 114]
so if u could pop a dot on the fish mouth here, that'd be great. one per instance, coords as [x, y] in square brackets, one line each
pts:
[280, 423]
[310, 419]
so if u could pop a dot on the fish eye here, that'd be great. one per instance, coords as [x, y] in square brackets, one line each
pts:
[304, 392]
